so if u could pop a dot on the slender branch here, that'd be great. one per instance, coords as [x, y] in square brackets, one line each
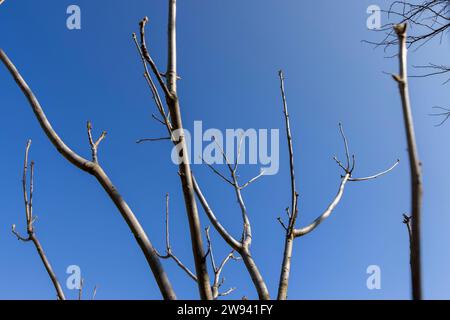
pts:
[217, 283]
[291, 231]
[242, 247]
[293, 211]
[152, 139]
[232, 242]
[169, 253]
[94, 145]
[96, 170]
[94, 294]
[152, 86]
[148, 58]
[245, 185]
[327, 212]
[376, 175]
[445, 115]
[30, 224]
[219, 174]
[415, 164]
[172, 102]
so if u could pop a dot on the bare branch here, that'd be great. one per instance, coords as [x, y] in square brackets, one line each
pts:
[94, 145]
[242, 247]
[236, 245]
[445, 114]
[415, 164]
[282, 224]
[152, 139]
[96, 170]
[376, 175]
[148, 58]
[252, 180]
[218, 173]
[169, 253]
[347, 154]
[218, 270]
[172, 101]
[30, 227]
[327, 212]
[291, 231]
[292, 212]
[226, 293]
[430, 19]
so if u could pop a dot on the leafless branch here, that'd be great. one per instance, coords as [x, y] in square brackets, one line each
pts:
[30, 219]
[415, 164]
[169, 253]
[218, 282]
[293, 211]
[152, 139]
[94, 145]
[96, 170]
[243, 246]
[169, 88]
[445, 115]
[291, 231]
[429, 18]
[377, 174]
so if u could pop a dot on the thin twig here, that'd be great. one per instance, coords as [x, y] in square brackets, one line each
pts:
[30, 219]
[169, 253]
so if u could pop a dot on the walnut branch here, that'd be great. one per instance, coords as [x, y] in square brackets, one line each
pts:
[346, 177]
[291, 231]
[94, 145]
[242, 246]
[30, 219]
[169, 253]
[414, 162]
[218, 282]
[169, 89]
[96, 170]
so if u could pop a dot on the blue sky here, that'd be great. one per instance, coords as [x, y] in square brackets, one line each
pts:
[229, 55]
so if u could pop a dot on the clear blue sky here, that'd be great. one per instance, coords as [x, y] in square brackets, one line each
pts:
[229, 55]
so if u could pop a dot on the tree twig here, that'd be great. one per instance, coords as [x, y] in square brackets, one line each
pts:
[30, 219]
[414, 162]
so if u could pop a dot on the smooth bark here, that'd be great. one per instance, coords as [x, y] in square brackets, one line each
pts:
[414, 164]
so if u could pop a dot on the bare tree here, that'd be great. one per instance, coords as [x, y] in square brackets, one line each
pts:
[292, 213]
[414, 162]
[30, 219]
[169, 115]
[94, 168]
